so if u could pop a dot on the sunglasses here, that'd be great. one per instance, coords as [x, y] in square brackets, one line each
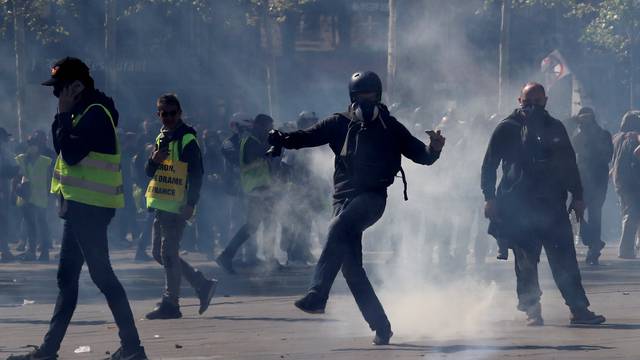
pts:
[163, 113]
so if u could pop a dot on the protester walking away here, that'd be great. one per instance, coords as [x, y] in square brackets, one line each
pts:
[257, 183]
[88, 181]
[368, 144]
[32, 191]
[529, 210]
[175, 169]
[625, 171]
[8, 170]
[594, 148]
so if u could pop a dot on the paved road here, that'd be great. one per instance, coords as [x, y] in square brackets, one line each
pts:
[466, 316]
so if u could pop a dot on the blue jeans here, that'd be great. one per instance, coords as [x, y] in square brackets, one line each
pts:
[344, 250]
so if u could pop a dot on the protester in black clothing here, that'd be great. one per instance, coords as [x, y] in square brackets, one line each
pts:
[368, 144]
[529, 208]
[625, 170]
[84, 137]
[593, 149]
[8, 170]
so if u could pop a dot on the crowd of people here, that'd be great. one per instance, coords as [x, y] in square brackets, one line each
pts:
[236, 195]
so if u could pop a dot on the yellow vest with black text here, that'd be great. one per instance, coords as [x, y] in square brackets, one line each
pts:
[36, 173]
[96, 180]
[167, 190]
[255, 174]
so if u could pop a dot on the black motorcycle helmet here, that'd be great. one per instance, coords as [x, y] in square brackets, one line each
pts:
[365, 82]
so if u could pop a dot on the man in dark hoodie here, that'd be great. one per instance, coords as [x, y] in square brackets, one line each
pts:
[8, 170]
[368, 144]
[593, 148]
[625, 171]
[175, 169]
[529, 208]
[88, 181]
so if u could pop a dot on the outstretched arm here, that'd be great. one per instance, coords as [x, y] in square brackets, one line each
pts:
[317, 135]
[416, 150]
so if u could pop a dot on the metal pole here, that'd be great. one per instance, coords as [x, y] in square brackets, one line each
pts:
[503, 60]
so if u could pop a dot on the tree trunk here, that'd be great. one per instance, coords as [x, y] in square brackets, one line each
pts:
[110, 63]
[271, 70]
[503, 59]
[19, 47]
[392, 52]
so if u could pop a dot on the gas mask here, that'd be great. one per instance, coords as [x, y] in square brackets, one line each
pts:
[366, 111]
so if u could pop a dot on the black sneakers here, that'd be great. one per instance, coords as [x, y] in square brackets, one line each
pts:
[164, 311]
[311, 304]
[121, 354]
[586, 317]
[36, 354]
[382, 336]
[205, 294]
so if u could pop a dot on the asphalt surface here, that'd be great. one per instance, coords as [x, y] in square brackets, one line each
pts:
[463, 314]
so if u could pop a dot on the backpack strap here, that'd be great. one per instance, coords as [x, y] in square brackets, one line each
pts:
[404, 183]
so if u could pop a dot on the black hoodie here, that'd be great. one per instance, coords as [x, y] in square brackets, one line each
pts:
[333, 131]
[190, 154]
[93, 133]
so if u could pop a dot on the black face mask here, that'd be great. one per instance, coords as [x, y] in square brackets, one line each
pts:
[531, 110]
[366, 111]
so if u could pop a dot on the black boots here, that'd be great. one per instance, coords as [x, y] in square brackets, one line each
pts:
[586, 317]
[311, 303]
[165, 310]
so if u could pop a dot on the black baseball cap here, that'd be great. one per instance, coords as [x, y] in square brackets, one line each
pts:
[68, 69]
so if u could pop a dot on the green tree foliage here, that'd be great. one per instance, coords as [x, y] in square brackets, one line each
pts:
[609, 25]
[613, 24]
[40, 17]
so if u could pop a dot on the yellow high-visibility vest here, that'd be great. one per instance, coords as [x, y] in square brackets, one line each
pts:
[167, 189]
[96, 180]
[36, 173]
[255, 174]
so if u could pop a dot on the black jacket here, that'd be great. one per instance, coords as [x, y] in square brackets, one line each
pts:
[192, 156]
[94, 132]
[542, 168]
[333, 131]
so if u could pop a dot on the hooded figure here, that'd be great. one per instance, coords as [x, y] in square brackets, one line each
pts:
[625, 171]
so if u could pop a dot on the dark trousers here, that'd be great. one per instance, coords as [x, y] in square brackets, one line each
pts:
[84, 238]
[4, 245]
[554, 234]
[630, 206]
[35, 221]
[591, 227]
[259, 210]
[144, 239]
[167, 233]
[344, 250]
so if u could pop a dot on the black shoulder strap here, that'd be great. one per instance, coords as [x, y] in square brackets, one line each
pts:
[404, 183]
